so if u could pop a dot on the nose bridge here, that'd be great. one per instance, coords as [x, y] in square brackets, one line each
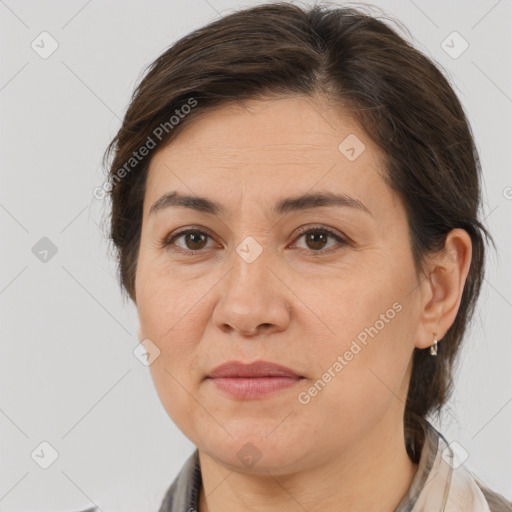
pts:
[250, 272]
[250, 299]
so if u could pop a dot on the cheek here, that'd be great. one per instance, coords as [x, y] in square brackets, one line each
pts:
[172, 322]
[352, 309]
[362, 364]
[357, 389]
[173, 314]
[164, 302]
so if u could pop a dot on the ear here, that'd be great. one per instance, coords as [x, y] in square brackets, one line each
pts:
[442, 287]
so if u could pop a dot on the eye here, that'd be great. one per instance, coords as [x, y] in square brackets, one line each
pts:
[194, 240]
[316, 239]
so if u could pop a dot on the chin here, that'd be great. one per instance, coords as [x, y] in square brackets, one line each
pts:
[257, 452]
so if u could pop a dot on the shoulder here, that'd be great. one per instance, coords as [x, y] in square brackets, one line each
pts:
[462, 483]
[496, 502]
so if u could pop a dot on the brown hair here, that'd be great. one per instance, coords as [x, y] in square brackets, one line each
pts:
[399, 97]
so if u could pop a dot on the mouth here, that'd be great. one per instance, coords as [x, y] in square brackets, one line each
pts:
[252, 381]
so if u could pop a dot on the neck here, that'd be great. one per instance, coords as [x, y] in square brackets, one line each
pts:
[372, 475]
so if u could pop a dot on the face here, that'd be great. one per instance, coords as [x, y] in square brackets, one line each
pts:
[326, 289]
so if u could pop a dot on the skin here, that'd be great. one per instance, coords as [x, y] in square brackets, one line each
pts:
[345, 449]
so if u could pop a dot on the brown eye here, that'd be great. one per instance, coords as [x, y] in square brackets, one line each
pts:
[193, 240]
[316, 240]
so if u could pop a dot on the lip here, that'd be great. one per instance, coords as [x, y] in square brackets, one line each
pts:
[254, 380]
[255, 369]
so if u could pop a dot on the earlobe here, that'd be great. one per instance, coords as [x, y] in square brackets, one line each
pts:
[444, 284]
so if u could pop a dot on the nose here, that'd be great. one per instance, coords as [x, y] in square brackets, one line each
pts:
[253, 301]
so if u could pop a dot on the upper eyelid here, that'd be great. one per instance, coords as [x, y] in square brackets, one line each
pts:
[302, 231]
[184, 231]
[307, 228]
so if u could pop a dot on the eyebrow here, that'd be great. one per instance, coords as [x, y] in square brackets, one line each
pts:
[297, 203]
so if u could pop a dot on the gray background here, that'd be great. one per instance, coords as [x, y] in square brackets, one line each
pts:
[68, 375]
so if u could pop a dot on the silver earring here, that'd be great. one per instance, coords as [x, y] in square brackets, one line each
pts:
[433, 347]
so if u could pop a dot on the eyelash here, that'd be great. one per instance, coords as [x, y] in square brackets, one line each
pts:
[317, 229]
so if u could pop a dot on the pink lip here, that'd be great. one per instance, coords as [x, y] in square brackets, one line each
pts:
[255, 380]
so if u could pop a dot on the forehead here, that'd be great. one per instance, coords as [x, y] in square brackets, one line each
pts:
[296, 127]
[266, 148]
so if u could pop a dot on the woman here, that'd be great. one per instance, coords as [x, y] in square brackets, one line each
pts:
[294, 205]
